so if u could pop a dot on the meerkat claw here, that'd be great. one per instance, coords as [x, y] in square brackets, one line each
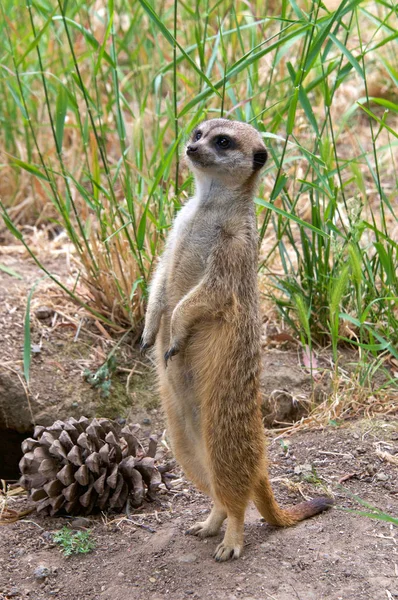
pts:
[224, 553]
[170, 353]
[144, 347]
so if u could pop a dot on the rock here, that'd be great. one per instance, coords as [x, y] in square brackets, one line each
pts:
[187, 558]
[281, 407]
[44, 312]
[14, 406]
[41, 573]
[382, 476]
[282, 380]
[304, 469]
[80, 523]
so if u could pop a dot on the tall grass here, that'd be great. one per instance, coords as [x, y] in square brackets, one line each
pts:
[98, 98]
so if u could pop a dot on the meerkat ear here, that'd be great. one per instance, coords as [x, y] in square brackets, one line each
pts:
[259, 159]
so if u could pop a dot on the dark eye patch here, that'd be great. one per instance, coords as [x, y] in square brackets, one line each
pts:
[259, 159]
[224, 142]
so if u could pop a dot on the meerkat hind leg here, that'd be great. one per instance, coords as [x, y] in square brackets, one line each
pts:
[211, 526]
[232, 544]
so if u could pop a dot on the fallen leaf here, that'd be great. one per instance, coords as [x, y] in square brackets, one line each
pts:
[347, 477]
[281, 337]
[310, 362]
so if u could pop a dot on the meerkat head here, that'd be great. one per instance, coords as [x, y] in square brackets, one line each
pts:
[230, 151]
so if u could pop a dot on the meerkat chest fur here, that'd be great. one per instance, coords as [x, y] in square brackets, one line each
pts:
[220, 222]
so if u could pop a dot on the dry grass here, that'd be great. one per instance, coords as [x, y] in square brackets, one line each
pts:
[92, 142]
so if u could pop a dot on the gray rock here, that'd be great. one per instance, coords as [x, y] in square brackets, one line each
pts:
[41, 573]
[80, 523]
[187, 558]
[304, 469]
[44, 312]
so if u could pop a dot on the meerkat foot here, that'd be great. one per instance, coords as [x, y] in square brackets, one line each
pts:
[232, 544]
[202, 530]
[212, 525]
[226, 552]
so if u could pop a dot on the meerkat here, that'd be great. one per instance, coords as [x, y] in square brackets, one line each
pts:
[203, 317]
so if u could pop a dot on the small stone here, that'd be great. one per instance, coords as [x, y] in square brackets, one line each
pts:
[305, 468]
[187, 558]
[382, 476]
[44, 312]
[120, 574]
[80, 523]
[41, 573]
[35, 348]
[146, 421]
[152, 579]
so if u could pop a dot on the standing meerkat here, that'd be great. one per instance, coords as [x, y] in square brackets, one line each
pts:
[203, 313]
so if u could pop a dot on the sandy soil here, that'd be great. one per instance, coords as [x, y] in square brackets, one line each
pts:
[338, 555]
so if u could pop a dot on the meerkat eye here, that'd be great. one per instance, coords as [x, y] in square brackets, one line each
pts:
[223, 142]
[197, 136]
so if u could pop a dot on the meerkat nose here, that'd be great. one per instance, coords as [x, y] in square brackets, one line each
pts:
[191, 149]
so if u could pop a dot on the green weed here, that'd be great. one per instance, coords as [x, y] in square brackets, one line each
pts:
[74, 542]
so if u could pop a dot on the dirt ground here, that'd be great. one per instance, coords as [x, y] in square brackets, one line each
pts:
[338, 555]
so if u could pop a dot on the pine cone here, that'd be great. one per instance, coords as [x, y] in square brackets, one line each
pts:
[82, 466]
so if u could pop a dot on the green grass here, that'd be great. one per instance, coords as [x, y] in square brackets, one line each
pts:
[371, 512]
[96, 106]
[74, 542]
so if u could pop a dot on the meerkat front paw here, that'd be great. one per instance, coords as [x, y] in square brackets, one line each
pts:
[227, 552]
[172, 351]
[144, 346]
[146, 342]
[202, 530]
[149, 335]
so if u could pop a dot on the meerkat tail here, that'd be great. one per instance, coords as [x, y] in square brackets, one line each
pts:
[275, 515]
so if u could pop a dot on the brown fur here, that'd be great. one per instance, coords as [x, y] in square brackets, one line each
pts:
[203, 312]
